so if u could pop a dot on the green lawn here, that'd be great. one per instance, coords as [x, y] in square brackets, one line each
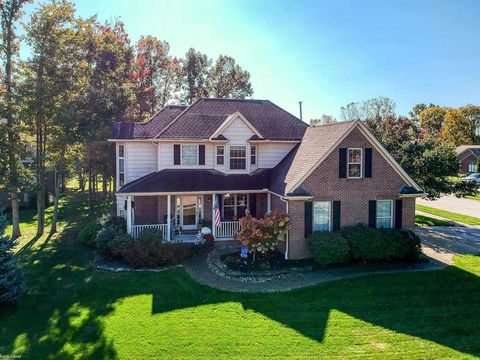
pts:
[421, 220]
[75, 312]
[470, 220]
[473, 197]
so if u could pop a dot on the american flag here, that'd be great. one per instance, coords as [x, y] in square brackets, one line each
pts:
[216, 206]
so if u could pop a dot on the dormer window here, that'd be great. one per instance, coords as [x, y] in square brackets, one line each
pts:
[354, 164]
[238, 157]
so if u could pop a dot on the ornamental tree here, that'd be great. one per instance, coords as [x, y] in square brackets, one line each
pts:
[263, 235]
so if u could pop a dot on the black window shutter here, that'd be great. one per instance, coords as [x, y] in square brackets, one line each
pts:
[372, 213]
[176, 154]
[342, 163]
[252, 204]
[308, 218]
[398, 213]
[336, 215]
[201, 154]
[368, 162]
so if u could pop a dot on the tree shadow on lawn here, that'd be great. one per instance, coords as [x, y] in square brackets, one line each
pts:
[62, 315]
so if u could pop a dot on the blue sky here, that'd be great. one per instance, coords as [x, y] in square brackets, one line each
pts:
[325, 53]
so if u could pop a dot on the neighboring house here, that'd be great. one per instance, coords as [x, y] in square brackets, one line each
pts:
[468, 156]
[250, 154]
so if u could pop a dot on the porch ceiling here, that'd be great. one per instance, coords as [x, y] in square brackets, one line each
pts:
[197, 180]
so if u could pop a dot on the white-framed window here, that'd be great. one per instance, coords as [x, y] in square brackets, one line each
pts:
[234, 206]
[321, 216]
[220, 155]
[238, 157]
[189, 155]
[472, 167]
[354, 163]
[384, 214]
[253, 155]
[121, 165]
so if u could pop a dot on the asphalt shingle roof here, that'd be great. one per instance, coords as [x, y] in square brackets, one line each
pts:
[204, 117]
[197, 180]
[149, 128]
[316, 142]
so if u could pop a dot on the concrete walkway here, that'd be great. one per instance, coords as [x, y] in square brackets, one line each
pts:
[452, 203]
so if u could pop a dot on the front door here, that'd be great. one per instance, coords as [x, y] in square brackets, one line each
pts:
[190, 209]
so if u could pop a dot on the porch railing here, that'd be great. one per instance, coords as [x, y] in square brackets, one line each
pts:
[137, 229]
[227, 229]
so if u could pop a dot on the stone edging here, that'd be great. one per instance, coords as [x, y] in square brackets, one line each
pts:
[219, 268]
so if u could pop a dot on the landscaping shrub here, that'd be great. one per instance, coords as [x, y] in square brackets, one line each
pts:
[86, 236]
[119, 243]
[360, 243]
[118, 222]
[104, 239]
[329, 248]
[151, 234]
[373, 245]
[152, 253]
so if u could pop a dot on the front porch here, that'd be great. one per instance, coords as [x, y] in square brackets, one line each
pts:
[181, 216]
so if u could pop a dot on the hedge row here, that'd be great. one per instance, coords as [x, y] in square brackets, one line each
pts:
[360, 243]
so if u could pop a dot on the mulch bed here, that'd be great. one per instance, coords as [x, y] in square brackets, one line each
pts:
[271, 261]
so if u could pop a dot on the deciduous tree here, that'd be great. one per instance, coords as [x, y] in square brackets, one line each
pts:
[227, 80]
[195, 69]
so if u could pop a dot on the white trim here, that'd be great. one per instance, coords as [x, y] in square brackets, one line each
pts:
[297, 198]
[169, 216]
[247, 162]
[377, 146]
[230, 118]
[404, 196]
[355, 163]
[391, 213]
[195, 192]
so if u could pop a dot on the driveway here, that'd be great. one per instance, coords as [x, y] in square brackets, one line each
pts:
[454, 204]
[442, 242]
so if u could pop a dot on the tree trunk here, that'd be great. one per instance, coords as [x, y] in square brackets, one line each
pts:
[104, 185]
[56, 194]
[90, 185]
[11, 129]
[16, 233]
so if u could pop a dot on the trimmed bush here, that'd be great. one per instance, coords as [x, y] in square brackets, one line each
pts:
[360, 243]
[118, 222]
[329, 248]
[86, 236]
[104, 239]
[120, 243]
[152, 253]
[151, 234]
[373, 245]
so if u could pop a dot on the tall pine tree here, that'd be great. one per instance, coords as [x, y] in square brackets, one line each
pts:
[11, 282]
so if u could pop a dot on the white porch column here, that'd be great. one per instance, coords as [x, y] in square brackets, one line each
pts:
[269, 202]
[169, 215]
[129, 214]
[214, 228]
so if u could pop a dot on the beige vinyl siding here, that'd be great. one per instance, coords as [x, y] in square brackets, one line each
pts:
[269, 155]
[166, 156]
[140, 159]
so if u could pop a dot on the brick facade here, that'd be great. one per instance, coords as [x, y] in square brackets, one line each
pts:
[353, 194]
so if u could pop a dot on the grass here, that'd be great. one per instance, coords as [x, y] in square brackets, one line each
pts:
[473, 197]
[74, 312]
[422, 220]
[470, 220]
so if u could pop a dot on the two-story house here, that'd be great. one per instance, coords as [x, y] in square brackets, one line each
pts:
[175, 170]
